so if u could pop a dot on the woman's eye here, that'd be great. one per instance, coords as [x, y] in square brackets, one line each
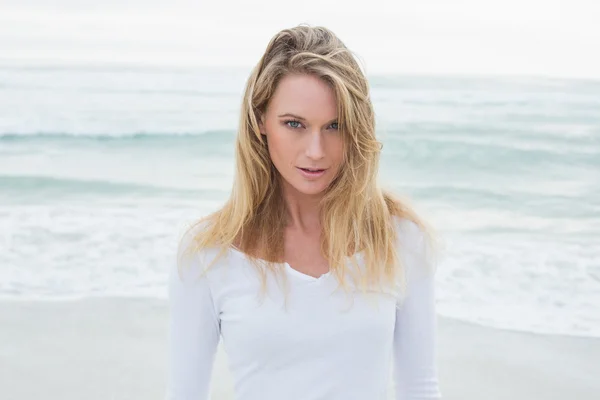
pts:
[295, 124]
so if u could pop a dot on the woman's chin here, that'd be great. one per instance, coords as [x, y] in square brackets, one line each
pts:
[310, 188]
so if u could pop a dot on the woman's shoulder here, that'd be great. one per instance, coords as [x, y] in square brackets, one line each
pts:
[417, 243]
[191, 255]
[410, 233]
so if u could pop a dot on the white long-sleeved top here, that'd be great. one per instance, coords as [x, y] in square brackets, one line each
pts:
[318, 347]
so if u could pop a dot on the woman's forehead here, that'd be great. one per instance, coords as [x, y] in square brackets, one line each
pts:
[306, 96]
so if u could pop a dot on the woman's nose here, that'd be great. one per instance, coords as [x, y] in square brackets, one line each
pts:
[315, 147]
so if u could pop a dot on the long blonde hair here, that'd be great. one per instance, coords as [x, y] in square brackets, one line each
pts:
[356, 214]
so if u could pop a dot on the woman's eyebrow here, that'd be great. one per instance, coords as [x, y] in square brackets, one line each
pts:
[291, 115]
[300, 118]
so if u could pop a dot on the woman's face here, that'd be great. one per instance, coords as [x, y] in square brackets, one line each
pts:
[301, 127]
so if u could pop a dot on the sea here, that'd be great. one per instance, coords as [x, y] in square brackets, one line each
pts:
[101, 167]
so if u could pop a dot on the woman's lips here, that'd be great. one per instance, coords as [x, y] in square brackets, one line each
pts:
[311, 173]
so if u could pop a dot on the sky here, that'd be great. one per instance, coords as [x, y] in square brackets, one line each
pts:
[554, 38]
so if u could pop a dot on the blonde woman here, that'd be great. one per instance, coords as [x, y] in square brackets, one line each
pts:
[316, 279]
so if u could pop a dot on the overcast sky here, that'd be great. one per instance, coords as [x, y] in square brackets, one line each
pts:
[529, 37]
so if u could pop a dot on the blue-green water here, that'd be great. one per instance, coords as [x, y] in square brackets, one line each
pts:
[101, 167]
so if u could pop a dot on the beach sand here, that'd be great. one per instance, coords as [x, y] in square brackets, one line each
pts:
[113, 349]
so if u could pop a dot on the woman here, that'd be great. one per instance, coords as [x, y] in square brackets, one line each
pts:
[316, 279]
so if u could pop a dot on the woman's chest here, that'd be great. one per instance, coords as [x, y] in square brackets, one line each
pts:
[312, 317]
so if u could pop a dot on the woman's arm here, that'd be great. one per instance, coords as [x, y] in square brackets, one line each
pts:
[415, 371]
[193, 334]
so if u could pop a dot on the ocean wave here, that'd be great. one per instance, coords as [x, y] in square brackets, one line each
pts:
[82, 136]
[48, 185]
